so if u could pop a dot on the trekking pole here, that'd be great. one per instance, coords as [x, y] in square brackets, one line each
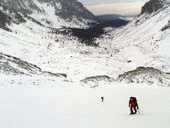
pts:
[140, 111]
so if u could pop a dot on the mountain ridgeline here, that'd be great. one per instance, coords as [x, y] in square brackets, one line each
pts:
[6, 18]
[51, 12]
[61, 38]
[70, 15]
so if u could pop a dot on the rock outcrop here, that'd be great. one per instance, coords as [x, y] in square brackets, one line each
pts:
[145, 75]
[154, 5]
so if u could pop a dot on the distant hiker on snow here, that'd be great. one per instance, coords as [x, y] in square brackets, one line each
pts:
[133, 105]
[102, 99]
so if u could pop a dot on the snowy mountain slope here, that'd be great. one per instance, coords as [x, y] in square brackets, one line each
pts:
[10, 65]
[143, 42]
[44, 100]
[15, 66]
[37, 45]
[53, 13]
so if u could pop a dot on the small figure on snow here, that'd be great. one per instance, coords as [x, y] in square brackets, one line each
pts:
[102, 99]
[133, 104]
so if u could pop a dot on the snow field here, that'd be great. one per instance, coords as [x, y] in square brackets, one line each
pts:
[53, 103]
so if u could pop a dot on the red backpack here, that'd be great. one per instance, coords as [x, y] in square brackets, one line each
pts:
[133, 101]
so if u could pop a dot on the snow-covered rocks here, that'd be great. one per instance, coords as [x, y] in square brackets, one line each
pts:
[9, 16]
[10, 65]
[145, 75]
[152, 6]
[15, 66]
[53, 13]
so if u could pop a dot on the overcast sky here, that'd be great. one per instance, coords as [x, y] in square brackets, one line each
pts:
[123, 7]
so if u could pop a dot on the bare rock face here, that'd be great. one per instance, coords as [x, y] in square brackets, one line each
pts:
[152, 6]
[7, 16]
[5, 19]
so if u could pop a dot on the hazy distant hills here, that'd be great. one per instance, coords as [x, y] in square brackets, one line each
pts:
[110, 17]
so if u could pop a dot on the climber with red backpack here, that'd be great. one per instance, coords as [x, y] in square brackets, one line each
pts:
[133, 104]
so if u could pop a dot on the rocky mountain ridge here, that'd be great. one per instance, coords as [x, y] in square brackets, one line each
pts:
[11, 65]
[145, 75]
[52, 12]
[154, 5]
[9, 16]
